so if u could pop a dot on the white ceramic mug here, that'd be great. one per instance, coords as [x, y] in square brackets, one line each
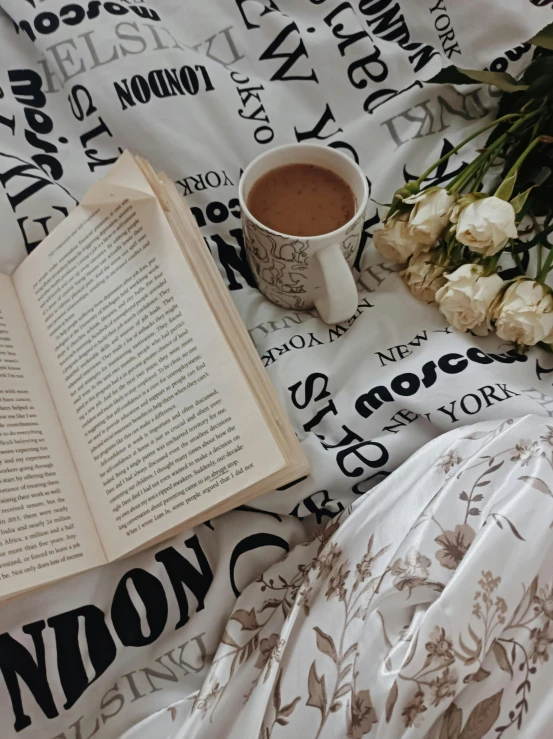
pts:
[302, 272]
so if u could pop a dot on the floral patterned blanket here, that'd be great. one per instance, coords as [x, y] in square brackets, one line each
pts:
[426, 610]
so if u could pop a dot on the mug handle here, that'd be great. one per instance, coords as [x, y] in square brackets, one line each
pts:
[340, 300]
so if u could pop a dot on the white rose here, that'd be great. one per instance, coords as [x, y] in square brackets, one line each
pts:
[430, 214]
[395, 239]
[423, 278]
[466, 298]
[525, 314]
[485, 225]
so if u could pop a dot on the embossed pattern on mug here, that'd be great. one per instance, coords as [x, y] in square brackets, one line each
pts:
[301, 200]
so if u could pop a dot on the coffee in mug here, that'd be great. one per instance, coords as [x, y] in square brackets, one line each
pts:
[302, 200]
[303, 209]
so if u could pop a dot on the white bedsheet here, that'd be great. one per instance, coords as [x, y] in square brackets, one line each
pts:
[82, 81]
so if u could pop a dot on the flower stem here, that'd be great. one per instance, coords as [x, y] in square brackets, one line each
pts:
[479, 177]
[542, 276]
[522, 157]
[481, 162]
[487, 155]
[465, 176]
[472, 136]
[536, 226]
[516, 259]
[490, 264]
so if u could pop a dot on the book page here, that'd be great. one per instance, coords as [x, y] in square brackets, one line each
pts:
[158, 415]
[46, 529]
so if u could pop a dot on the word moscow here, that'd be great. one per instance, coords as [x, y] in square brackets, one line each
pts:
[19, 664]
[72, 14]
[407, 383]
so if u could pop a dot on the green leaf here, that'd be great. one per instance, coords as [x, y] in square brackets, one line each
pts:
[457, 76]
[501, 80]
[518, 201]
[505, 190]
[540, 66]
[544, 38]
[538, 88]
[539, 76]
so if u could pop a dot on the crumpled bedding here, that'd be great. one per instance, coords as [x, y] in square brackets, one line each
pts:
[434, 623]
[82, 81]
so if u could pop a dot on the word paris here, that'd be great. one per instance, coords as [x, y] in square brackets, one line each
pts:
[479, 247]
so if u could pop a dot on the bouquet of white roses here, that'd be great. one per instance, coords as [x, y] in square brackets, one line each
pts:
[451, 239]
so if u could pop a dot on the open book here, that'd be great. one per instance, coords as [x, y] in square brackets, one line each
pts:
[132, 401]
